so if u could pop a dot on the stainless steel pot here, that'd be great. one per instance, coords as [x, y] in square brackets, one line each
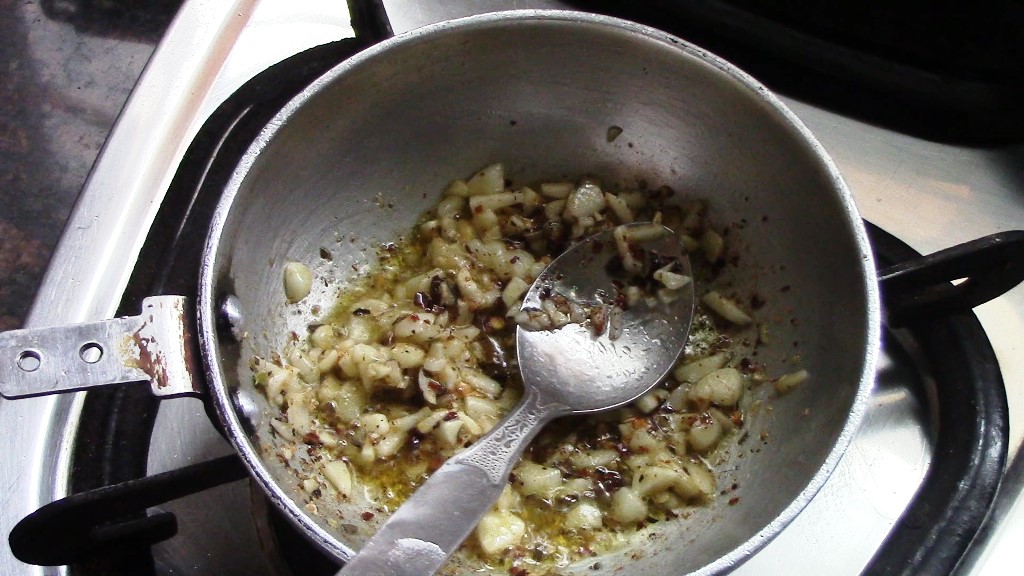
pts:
[351, 163]
[353, 160]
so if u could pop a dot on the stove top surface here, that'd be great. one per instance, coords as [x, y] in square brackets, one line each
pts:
[928, 194]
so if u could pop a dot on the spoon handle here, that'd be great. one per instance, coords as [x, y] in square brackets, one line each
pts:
[421, 535]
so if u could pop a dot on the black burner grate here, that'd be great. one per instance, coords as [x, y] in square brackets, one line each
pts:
[949, 70]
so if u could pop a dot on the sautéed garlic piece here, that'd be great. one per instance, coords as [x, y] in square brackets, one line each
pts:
[418, 361]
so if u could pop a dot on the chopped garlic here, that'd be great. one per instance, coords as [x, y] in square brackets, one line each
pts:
[337, 472]
[498, 531]
[298, 281]
[726, 308]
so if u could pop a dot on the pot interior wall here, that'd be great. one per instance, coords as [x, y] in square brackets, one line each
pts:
[359, 156]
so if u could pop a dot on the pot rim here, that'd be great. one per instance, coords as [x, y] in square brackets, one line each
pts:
[207, 301]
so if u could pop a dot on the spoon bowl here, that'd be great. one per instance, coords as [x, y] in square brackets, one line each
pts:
[602, 325]
[589, 372]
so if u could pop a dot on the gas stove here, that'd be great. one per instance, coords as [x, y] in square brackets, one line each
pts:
[212, 81]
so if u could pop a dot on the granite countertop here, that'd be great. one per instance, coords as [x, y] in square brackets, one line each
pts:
[69, 66]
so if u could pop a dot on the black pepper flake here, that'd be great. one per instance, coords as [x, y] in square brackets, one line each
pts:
[750, 366]
[608, 480]
[367, 516]
[435, 289]
[423, 301]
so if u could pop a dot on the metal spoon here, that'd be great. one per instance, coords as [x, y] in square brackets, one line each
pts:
[574, 369]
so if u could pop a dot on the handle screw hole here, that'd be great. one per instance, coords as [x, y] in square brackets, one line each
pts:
[90, 353]
[30, 360]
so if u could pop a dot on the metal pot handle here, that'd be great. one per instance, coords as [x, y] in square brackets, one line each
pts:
[928, 286]
[155, 346]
